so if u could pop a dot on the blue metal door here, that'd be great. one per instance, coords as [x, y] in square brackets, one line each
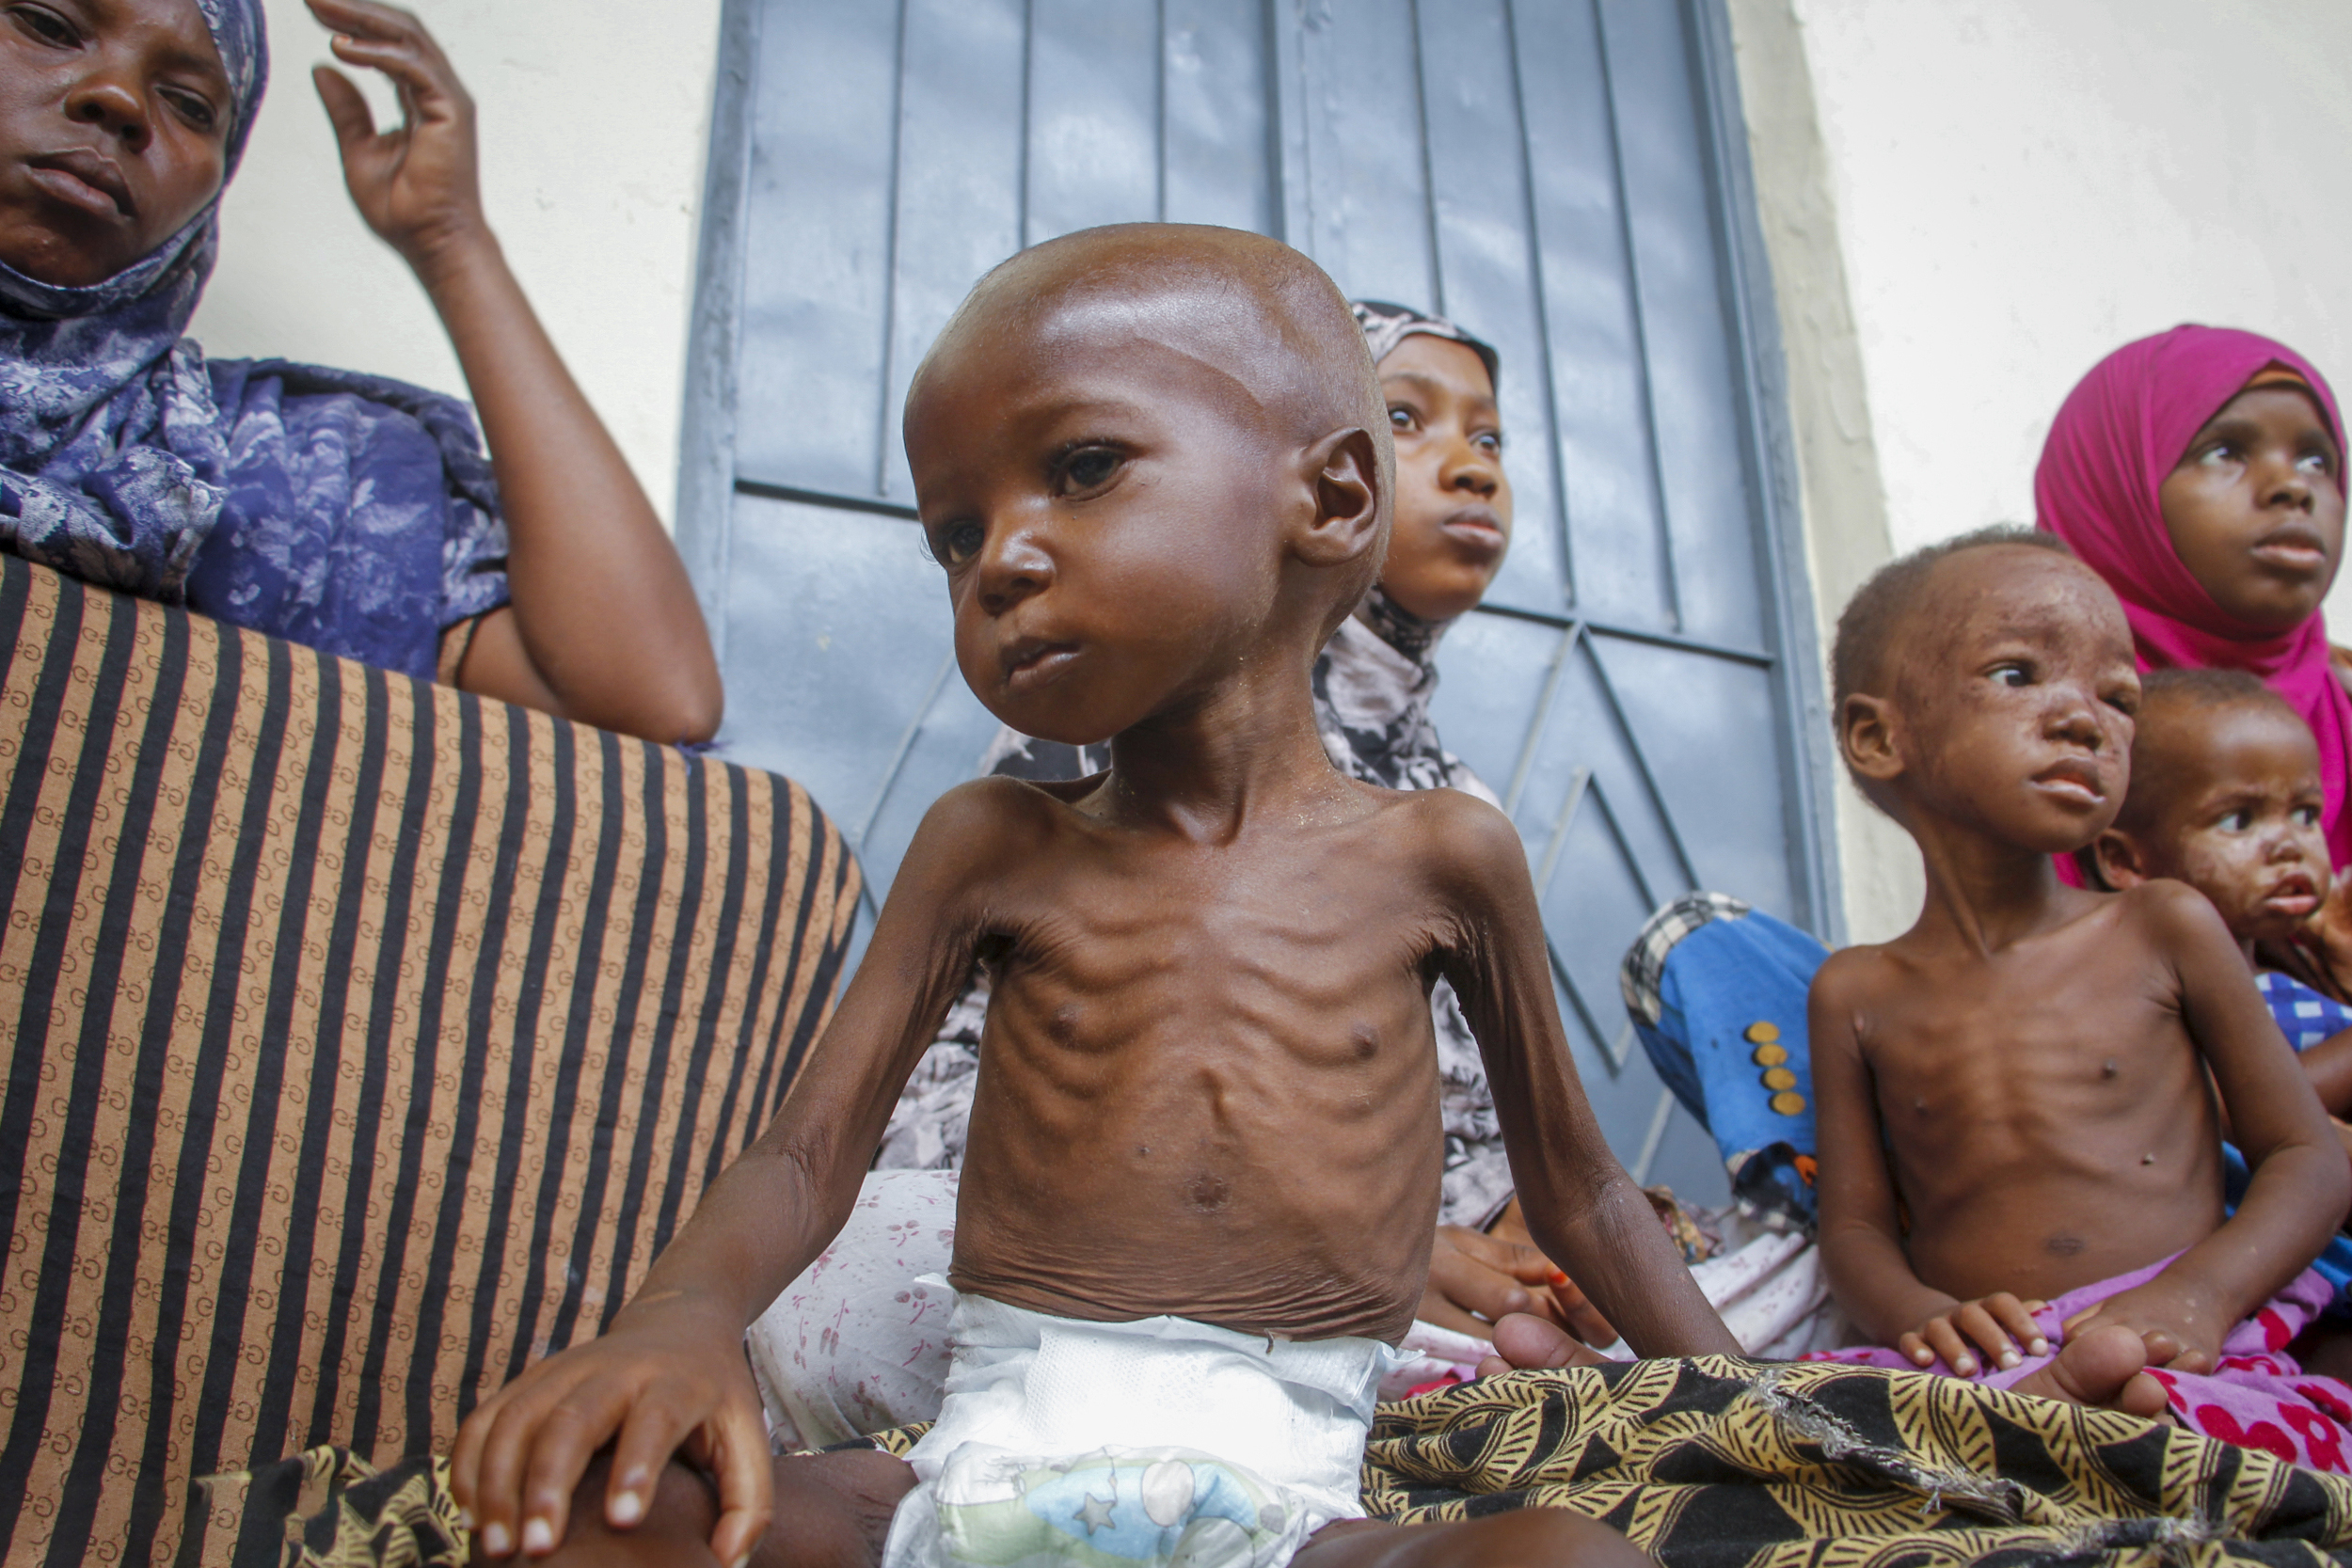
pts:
[1565, 177]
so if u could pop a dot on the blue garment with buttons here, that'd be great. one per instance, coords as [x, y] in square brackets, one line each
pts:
[1712, 986]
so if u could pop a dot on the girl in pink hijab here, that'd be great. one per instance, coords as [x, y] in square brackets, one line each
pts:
[2200, 472]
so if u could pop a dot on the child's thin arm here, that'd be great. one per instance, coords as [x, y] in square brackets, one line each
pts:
[603, 626]
[670, 1373]
[2301, 1182]
[1578, 1204]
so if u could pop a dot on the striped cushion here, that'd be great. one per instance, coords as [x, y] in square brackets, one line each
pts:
[370, 1038]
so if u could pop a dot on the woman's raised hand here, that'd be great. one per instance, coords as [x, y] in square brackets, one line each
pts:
[417, 183]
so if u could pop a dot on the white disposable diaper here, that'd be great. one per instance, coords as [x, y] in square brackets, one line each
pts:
[1161, 1441]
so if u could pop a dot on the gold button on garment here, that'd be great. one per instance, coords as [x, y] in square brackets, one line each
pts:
[1771, 1056]
[1789, 1102]
[1780, 1078]
[1763, 1033]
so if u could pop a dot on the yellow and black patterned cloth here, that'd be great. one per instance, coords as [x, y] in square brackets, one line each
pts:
[1707, 1464]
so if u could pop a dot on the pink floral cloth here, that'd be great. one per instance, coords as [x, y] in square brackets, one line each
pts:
[2257, 1397]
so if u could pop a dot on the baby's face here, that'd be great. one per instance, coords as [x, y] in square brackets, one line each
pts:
[2016, 695]
[2255, 507]
[1100, 503]
[114, 124]
[2242, 819]
[1453, 503]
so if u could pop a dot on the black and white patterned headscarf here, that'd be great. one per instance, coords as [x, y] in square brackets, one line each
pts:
[1386, 326]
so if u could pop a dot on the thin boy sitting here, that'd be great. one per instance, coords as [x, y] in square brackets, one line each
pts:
[1202, 1171]
[2013, 1095]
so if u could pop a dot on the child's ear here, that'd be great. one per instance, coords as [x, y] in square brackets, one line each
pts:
[1344, 471]
[2118, 860]
[1868, 735]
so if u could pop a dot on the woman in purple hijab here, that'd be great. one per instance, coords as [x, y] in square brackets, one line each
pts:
[353, 514]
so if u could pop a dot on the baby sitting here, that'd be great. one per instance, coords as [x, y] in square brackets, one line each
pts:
[2227, 797]
[1201, 1179]
[2016, 1097]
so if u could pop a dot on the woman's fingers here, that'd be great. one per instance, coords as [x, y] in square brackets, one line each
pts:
[1474, 1275]
[1576, 1310]
[346, 107]
[428, 89]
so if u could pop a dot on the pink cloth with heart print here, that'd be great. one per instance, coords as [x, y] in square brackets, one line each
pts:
[2257, 1397]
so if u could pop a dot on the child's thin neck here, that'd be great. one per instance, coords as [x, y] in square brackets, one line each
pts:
[1206, 770]
[1983, 892]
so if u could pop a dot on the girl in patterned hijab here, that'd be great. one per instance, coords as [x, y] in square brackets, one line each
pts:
[350, 513]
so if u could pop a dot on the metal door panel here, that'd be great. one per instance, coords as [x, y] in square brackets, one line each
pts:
[1094, 115]
[1678, 708]
[1366, 181]
[960, 156]
[1214, 163]
[1484, 271]
[1681, 290]
[1614, 529]
[1538, 168]
[817, 245]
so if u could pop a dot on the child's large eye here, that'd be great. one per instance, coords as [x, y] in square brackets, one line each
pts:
[1490, 442]
[2238, 820]
[2010, 674]
[958, 542]
[1089, 468]
[2307, 815]
[1402, 417]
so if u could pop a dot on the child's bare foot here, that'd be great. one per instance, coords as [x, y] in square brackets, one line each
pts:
[1524, 1343]
[2103, 1367]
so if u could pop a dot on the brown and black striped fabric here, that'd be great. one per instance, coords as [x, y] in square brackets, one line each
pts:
[369, 1039]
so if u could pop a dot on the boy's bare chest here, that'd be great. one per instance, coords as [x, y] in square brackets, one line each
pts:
[2067, 1037]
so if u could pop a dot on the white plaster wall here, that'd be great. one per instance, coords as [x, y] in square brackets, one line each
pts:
[593, 118]
[2020, 186]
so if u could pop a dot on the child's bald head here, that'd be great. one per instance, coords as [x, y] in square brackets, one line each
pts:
[1151, 432]
[1252, 312]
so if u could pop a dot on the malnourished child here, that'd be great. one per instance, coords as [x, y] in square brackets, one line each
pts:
[2017, 1096]
[1202, 1172]
[2227, 796]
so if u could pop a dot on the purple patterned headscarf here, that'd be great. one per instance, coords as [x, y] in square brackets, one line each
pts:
[350, 513]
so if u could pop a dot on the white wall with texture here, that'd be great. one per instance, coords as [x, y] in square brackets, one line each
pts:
[595, 116]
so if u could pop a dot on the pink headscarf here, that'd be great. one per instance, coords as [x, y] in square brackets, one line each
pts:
[2118, 435]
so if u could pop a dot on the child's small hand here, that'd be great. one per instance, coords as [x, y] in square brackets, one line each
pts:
[668, 1379]
[2180, 1329]
[415, 184]
[1996, 1325]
